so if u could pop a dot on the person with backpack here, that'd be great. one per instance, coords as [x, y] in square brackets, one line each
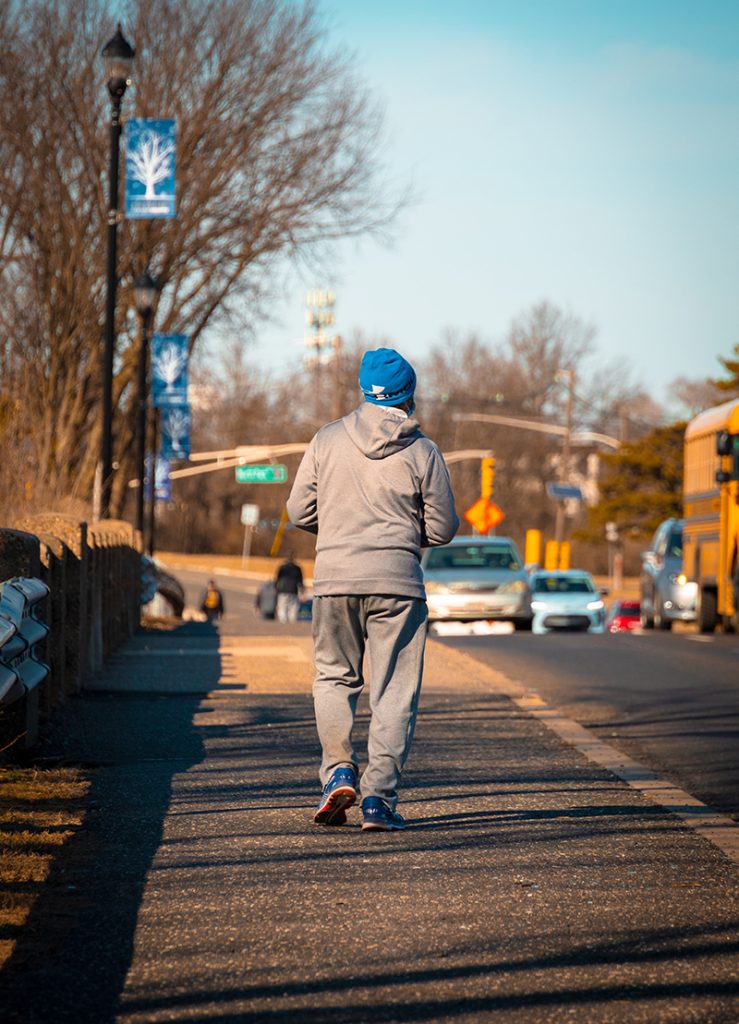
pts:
[375, 490]
[212, 602]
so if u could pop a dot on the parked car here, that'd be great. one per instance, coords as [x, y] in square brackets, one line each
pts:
[666, 594]
[160, 589]
[568, 599]
[624, 617]
[474, 578]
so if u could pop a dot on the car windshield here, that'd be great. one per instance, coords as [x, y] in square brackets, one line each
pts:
[675, 547]
[562, 585]
[473, 556]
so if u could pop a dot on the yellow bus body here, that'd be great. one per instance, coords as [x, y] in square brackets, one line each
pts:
[711, 513]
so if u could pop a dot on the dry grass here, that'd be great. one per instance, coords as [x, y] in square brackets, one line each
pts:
[40, 811]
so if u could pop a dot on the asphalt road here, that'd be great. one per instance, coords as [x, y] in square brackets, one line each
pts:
[239, 595]
[670, 700]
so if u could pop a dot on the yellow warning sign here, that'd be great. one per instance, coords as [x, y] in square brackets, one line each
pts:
[484, 515]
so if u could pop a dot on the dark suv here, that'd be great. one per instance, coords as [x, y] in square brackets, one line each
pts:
[666, 594]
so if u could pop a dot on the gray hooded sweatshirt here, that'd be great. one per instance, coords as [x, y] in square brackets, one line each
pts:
[375, 490]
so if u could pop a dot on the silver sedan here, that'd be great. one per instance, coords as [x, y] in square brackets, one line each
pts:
[476, 578]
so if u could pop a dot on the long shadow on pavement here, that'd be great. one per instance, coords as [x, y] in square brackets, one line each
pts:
[73, 952]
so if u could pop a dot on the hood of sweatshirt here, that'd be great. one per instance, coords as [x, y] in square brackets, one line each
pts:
[378, 431]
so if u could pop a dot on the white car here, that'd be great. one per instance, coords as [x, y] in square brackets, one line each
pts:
[568, 599]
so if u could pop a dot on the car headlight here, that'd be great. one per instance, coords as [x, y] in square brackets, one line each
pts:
[514, 587]
[538, 606]
[594, 606]
[436, 588]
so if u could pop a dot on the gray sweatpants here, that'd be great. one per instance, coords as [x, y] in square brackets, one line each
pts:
[393, 631]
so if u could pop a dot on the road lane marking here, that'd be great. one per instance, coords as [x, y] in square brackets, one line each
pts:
[719, 829]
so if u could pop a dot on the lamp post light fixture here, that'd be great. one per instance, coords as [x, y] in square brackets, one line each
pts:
[118, 55]
[145, 290]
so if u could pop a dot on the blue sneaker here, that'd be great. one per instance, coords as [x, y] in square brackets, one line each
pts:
[339, 793]
[378, 817]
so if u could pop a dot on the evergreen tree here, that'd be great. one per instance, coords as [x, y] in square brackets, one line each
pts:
[732, 368]
[641, 484]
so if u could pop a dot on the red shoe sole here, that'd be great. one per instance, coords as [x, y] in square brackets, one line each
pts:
[333, 811]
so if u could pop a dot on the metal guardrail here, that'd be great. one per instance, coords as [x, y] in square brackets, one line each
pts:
[21, 672]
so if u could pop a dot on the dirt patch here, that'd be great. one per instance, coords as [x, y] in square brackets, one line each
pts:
[159, 623]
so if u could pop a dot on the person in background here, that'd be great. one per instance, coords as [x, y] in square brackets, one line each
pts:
[375, 490]
[289, 584]
[212, 602]
[266, 600]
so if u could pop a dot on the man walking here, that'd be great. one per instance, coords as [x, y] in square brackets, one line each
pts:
[376, 491]
[288, 584]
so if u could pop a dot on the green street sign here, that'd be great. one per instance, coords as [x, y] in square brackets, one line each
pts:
[261, 474]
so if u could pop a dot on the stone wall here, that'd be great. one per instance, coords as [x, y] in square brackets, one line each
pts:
[94, 576]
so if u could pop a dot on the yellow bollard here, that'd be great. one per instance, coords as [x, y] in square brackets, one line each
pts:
[564, 555]
[533, 547]
[551, 555]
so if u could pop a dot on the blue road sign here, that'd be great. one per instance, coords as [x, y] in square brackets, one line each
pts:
[174, 425]
[150, 167]
[563, 492]
[169, 359]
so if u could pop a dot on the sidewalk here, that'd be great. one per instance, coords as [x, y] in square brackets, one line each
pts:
[530, 886]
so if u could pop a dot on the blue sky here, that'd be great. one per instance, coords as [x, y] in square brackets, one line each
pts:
[581, 152]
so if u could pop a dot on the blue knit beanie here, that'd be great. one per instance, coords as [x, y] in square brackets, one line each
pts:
[386, 378]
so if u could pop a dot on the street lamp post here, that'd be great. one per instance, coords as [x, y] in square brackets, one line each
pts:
[152, 517]
[145, 290]
[118, 55]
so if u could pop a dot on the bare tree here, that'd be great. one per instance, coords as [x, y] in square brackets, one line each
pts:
[694, 395]
[277, 156]
[518, 378]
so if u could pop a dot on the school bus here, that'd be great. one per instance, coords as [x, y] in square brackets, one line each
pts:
[711, 511]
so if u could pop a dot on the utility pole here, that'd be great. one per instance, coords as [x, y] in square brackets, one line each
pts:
[564, 472]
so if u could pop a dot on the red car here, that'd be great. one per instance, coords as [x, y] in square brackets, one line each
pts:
[623, 617]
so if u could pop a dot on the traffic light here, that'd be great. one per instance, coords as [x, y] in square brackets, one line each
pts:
[487, 476]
